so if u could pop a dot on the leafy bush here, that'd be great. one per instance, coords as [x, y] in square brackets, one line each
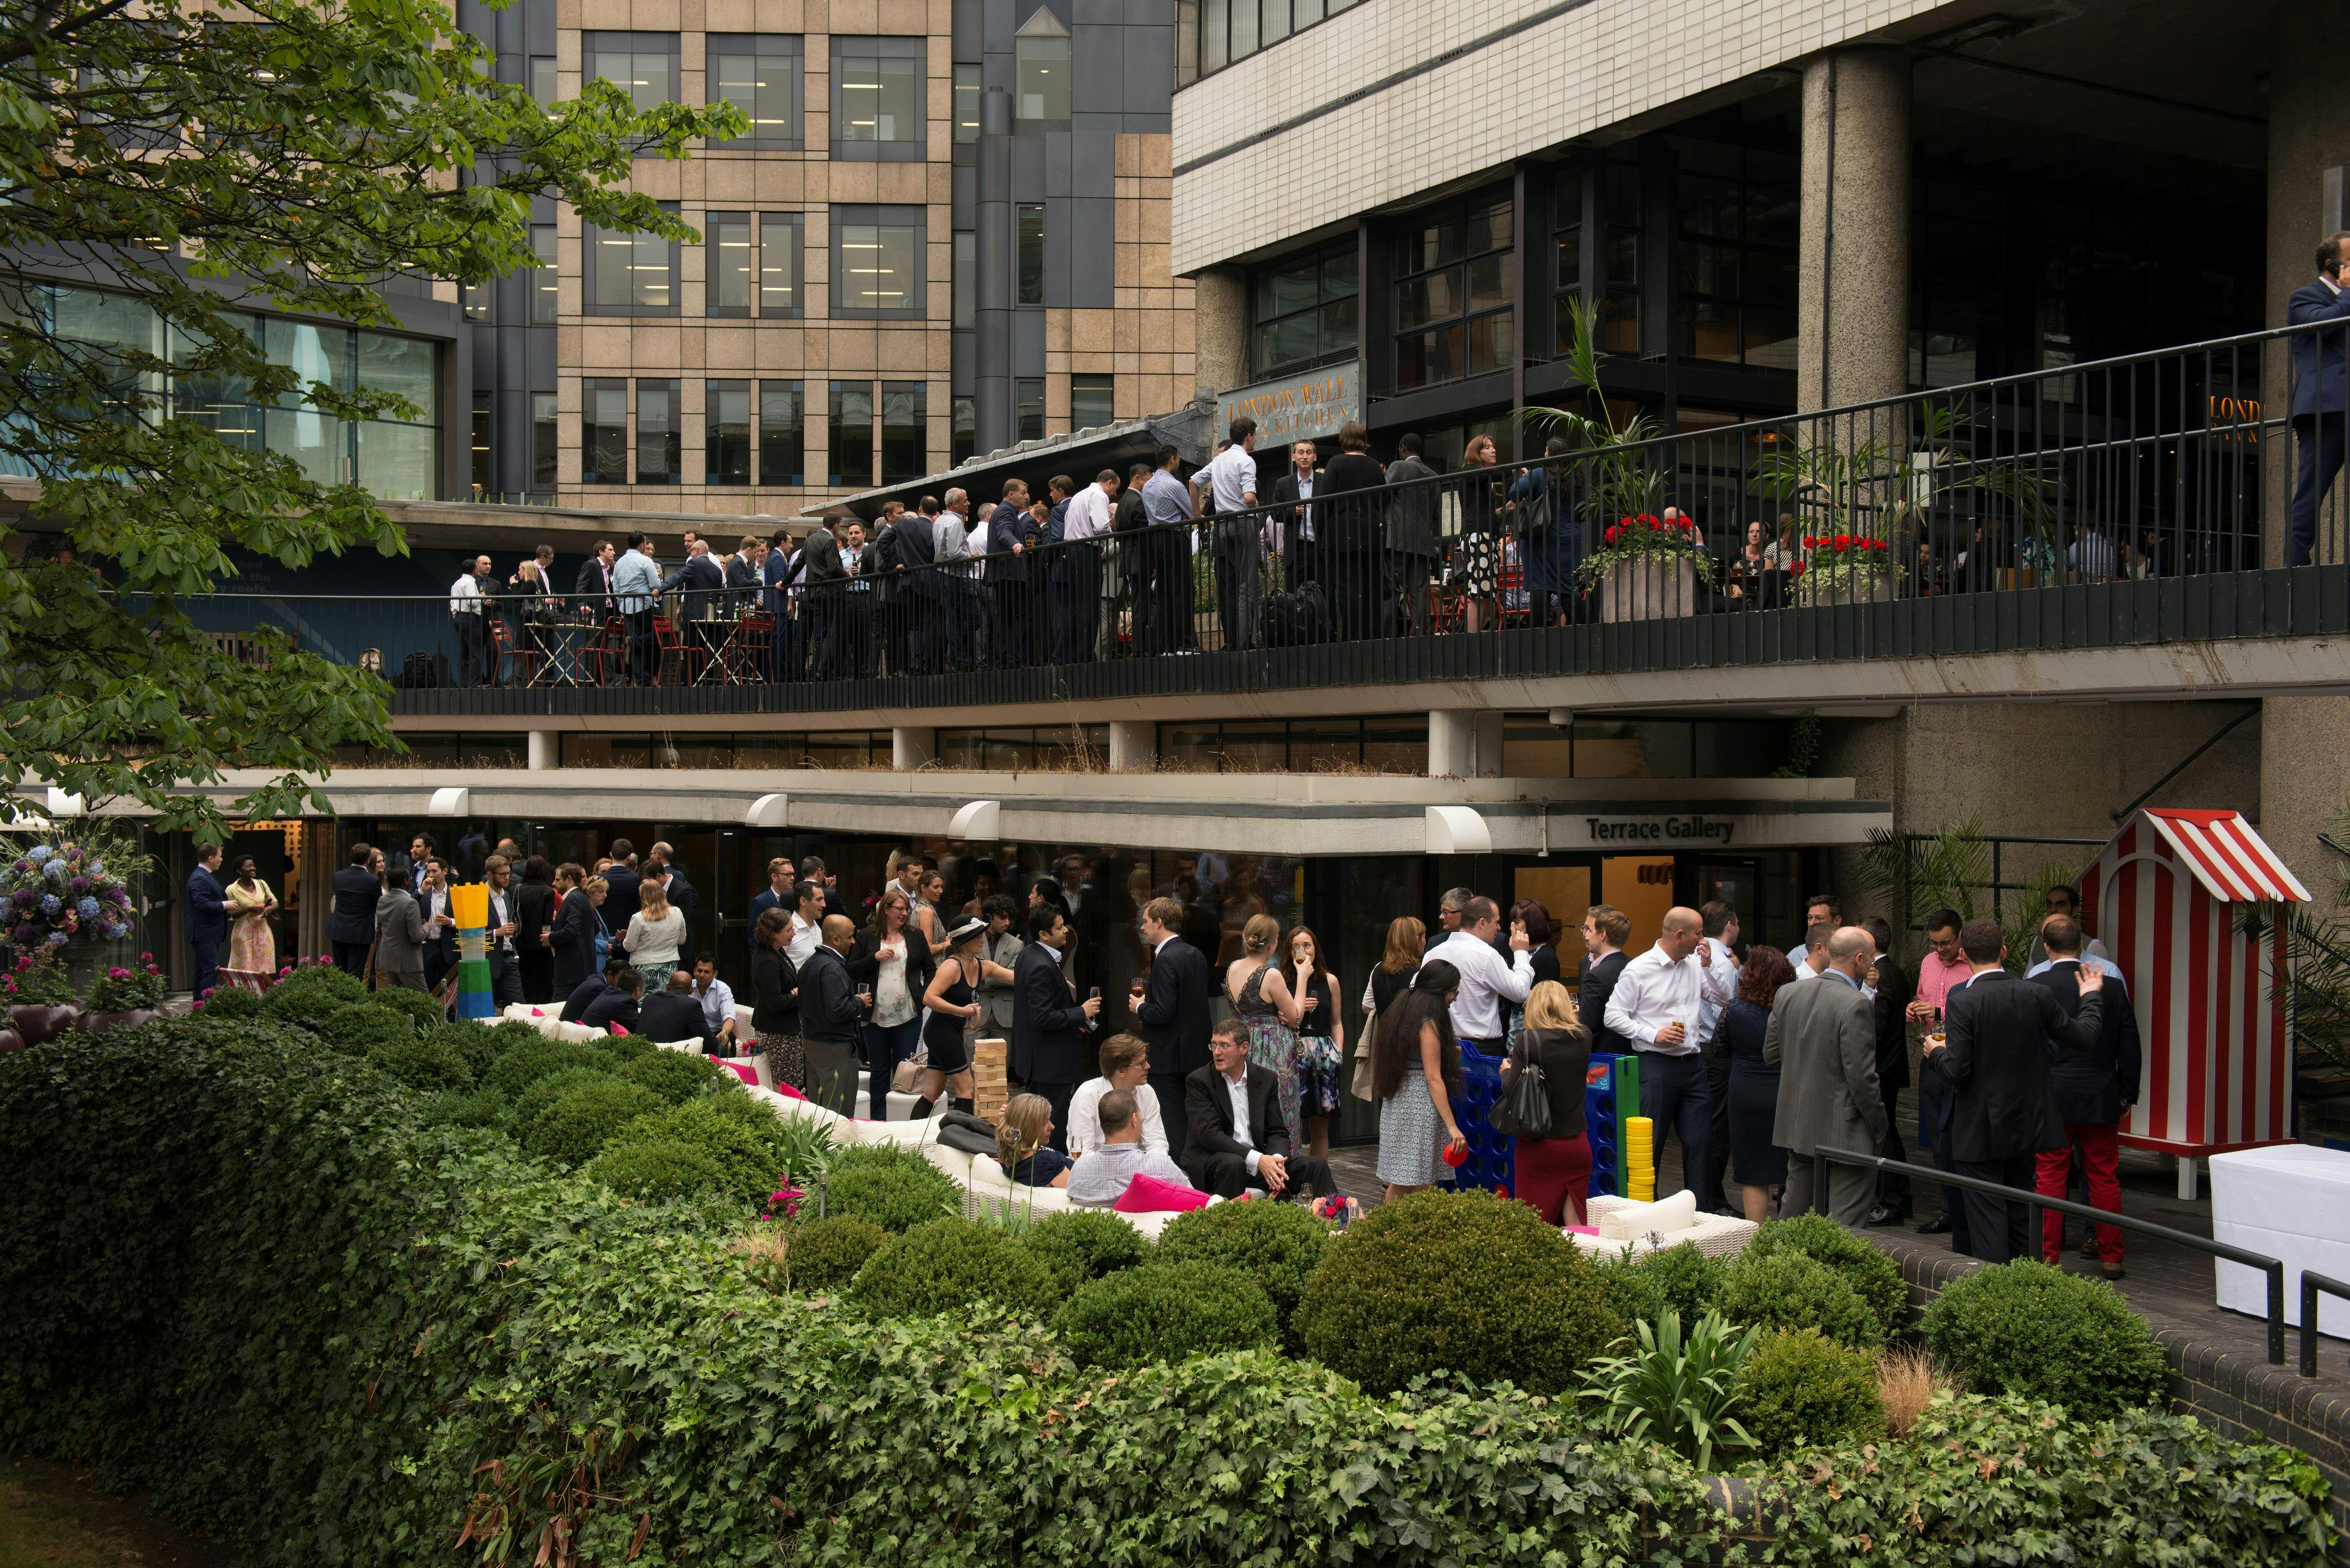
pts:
[2025, 1328]
[535, 1099]
[232, 1001]
[893, 1187]
[1676, 1391]
[424, 1061]
[362, 1028]
[1278, 1244]
[738, 1134]
[480, 1047]
[946, 1265]
[1876, 1276]
[627, 1047]
[421, 1009]
[576, 1128]
[805, 1143]
[1643, 1286]
[1801, 1389]
[823, 1255]
[517, 1066]
[310, 992]
[509, 1034]
[1463, 1283]
[657, 1170]
[675, 1075]
[1791, 1290]
[1166, 1311]
[1083, 1244]
[465, 1108]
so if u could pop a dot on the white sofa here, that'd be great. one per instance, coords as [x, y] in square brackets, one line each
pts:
[1624, 1225]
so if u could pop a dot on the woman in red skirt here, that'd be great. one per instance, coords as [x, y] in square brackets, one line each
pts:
[1553, 1173]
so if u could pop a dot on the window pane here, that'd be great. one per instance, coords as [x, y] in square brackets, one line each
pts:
[1339, 275]
[1280, 293]
[543, 283]
[1492, 281]
[1619, 322]
[966, 277]
[319, 443]
[851, 421]
[1706, 269]
[1043, 71]
[476, 297]
[636, 63]
[312, 353]
[483, 476]
[1771, 338]
[1770, 276]
[881, 99]
[1276, 20]
[604, 432]
[877, 266]
[965, 441]
[1488, 228]
[761, 77]
[1243, 28]
[1028, 399]
[542, 79]
[648, 273]
[1092, 399]
[726, 422]
[905, 430]
[783, 444]
[1709, 207]
[396, 461]
[1338, 326]
[545, 439]
[657, 433]
[966, 103]
[779, 263]
[1429, 246]
[1030, 248]
[730, 261]
[1570, 259]
[1215, 23]
[1421, 300]
[404, 367]
[1624, 258]
[1425, 358]
[1490, 344]
[1286, 341]
[611, 261]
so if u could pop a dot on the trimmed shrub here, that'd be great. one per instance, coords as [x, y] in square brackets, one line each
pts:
[2025, 1328]
[946, 1265]
[508, 1034]
[627, 1047]
[1277, 1245]
[424, 1061]
[1794, 1291]
[1876, 1276]
[466, 1108]
[657, 1170]
[1800, 1389]
[1166, 1311]
[1462, 1282]
[676, 1077]
[231, 1002]
[1082, 1244]
[537, 1097]
[518, 1066]
[746, 1149]
[1641, 1287]
[893, 1187]
[823, 1255]
[480, 1047]
[310, 992]
[418, 1007]
[362, 1028]
[584, 1118]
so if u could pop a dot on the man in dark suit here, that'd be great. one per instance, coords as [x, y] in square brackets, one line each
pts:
[672, 1014]
[1413, 545]
[207, 919]
[440, 926]
[2003, 1107]
[505, 964]
[617, 1004]
[1171, 1014]
[1238, 1139]
[913, 547]
[1893, 993]
[621, 881]
[1049, 1051]
[821, 586]
[1293, 493]
[351, 928]
[831, 1011]
[2094, 1088]
[2320, 401]
[1010, 540]
[1605, 929]
[592, 589]
[781, 893]
[701, 583]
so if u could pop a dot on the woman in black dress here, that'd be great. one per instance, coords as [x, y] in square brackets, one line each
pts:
[955, 1011]
[1760, 1166]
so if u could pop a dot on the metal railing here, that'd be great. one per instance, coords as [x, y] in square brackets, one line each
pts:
[2131, 500]
[2033, 1202]
[2313, 1285]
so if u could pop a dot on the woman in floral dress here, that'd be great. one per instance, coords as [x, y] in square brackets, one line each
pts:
[1262, 998]
[252, 945]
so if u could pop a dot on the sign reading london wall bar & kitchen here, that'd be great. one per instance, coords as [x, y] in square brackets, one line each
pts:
[1297, 407]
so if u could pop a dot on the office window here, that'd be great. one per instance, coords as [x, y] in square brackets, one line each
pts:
[476, 297]
[1041, 55]
[779, 263]
[1620, 257]
[641, 65]
[604, 432]
[1304, 311]
[659, 430]
[966, 278]
[726, 422]
[876, 97]
[545, 289]
[1218, 33]
[1455, 288]
[759, 74]
[1215, 34]
[545, 439]
[1734, 258]
[783, 434]
[482, 473]
[965, 439]
[542, 79]
[1091, 398]
[849, 418]
[905, 430]
[726, 237]
[1029, 238]
[398, 453]
[629, 274]
[1028, 408]
[876, 261]
[966, 103]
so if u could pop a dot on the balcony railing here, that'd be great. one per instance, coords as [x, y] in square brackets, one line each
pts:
[2132, 500]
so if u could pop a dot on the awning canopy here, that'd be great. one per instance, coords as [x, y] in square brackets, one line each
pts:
[2230, 860]
[1080, 454]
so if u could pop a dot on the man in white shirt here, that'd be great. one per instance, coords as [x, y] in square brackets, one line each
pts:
[957, 588]
[1126, 1069]
[1657, 1005]
[1077, 571]
[1485, 980]
[1719, 924]
[1811, 955]
[468, 612]
[1232, 489]
[717, 999]
[808, 922]
[1102, 1173]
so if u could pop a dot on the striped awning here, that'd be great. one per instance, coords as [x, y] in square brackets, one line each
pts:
[2228, 858]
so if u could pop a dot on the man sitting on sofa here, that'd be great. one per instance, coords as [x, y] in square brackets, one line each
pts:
[1237, 1138]
[1102, 1173]
[674, 1014]
[576, 1005]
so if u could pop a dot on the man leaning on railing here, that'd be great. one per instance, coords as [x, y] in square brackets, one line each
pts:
[2321, 391]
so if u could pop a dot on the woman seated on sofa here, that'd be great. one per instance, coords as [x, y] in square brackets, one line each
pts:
[1020, 1147]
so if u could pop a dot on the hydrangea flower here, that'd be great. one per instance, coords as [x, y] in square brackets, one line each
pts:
[51, 905]
[79, 884]
[25, 897]
[54, 870]
[86, 909]
[56, 939]
[38, 853]
[96, 867]
[24, 935]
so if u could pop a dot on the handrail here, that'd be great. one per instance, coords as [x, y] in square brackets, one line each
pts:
[2311, 1285]
[2273, 1268]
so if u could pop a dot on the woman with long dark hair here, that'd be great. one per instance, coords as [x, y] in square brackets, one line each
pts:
[1760, 1166]
[533, 915]
[1321, 1038]
[1415, 1072]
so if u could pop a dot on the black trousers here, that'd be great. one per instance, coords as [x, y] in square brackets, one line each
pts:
[1164, 610]
[1933, 1113]
[203, 968]
[472, 649]
[1235, 563]
[833, 1068]
[1708, 1184]
[1892, 1187]
[2319, 440]
[1173, 1113]
[1998, 1231]
[538, 971]
[1076, 604]
[1013, 640]
[505, 978]
[644, 655]
[1674, 1097]
[1227, 1176]
[351, 958]
[1357, 586]
[853, 649]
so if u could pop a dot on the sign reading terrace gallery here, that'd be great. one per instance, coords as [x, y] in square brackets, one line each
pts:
[1310, 407]
[1687, 832]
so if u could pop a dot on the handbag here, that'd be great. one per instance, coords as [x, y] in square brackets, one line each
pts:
[1523, 1107]
[1361, 1084]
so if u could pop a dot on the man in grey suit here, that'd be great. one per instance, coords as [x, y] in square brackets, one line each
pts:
[1412, 543]
[1823, 1040]
[399, 931]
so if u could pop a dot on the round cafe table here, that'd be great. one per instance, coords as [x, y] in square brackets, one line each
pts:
[565, 643]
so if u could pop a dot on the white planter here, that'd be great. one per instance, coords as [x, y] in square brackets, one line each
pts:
[1877, 589]
[1648, 590]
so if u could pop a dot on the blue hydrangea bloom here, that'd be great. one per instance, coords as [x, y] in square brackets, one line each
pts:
[38, 852]
[54, 870]
[56, 939]
[51, 905]
[86, 909]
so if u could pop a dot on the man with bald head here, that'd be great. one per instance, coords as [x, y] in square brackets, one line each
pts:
[1823, 1040]
[1656, 1006]
[830, 1013]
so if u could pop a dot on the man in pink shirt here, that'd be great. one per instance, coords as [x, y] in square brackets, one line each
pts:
[1938, 973]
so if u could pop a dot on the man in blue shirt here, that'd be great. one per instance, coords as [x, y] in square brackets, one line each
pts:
[1166, 546]
[636, 586]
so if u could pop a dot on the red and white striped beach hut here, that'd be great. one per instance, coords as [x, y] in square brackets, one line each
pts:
[2168, 897]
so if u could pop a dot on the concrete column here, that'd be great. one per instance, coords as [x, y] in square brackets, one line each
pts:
[1853, 292]
[1219, 330]
[910, 748]
[1133, 746]
[1464, 743]
[546, 750]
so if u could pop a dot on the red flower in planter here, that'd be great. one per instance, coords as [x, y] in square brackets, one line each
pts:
[1611, 534]
[1844, 541]
[1797, 570]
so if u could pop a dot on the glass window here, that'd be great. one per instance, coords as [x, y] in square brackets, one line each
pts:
[905, 430]
[726, 422]
[783, 437]
[1275, 25]
[759, 74]
[779, 263]
[1734, 257]
[544, 286]
[850, 419]
[220, 403]
[542, 79]
[398, 462]
[966, 278]
[966, 103]
[1304, 311]
[1029, 234]
[1244, 13]
[965, 439]
[1455, 292]
[726, 237]
[404, 367]
[1215, 34]
[876, 97]
[544, 440]
[1091, 399]
[629, 274]
[604, 432]
[476, 297]
[659, 429]
[876, 261]
[1043, 75]
[1028, 403]
[641, 65]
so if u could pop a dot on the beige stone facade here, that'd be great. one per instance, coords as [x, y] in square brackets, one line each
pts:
[1146, 338]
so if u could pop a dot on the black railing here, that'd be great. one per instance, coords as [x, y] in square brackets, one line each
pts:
[2125, 500]
[2313, 1285]
[2033, 1202]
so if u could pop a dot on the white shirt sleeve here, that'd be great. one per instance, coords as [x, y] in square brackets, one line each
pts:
[1720, 980]
[1154, 1125]
[1370, 997]
[1628, 1001]
[1519, 978]
[1085, 1116]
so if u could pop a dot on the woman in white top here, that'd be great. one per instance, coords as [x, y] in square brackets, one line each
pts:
[656, 934]
[893, 959]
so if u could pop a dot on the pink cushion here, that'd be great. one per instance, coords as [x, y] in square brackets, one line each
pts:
[743, 1070]
[787, 1091]
[1149, 1194]
[1582, 1229]
[616, 1028]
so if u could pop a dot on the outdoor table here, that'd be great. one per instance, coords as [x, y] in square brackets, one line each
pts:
[2292, 1202]
[565, 645]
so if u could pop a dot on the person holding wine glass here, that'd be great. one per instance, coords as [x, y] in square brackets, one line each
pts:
[1261, 997]
[1321, 1038]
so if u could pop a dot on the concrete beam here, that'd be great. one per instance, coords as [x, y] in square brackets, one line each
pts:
[911, 747]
